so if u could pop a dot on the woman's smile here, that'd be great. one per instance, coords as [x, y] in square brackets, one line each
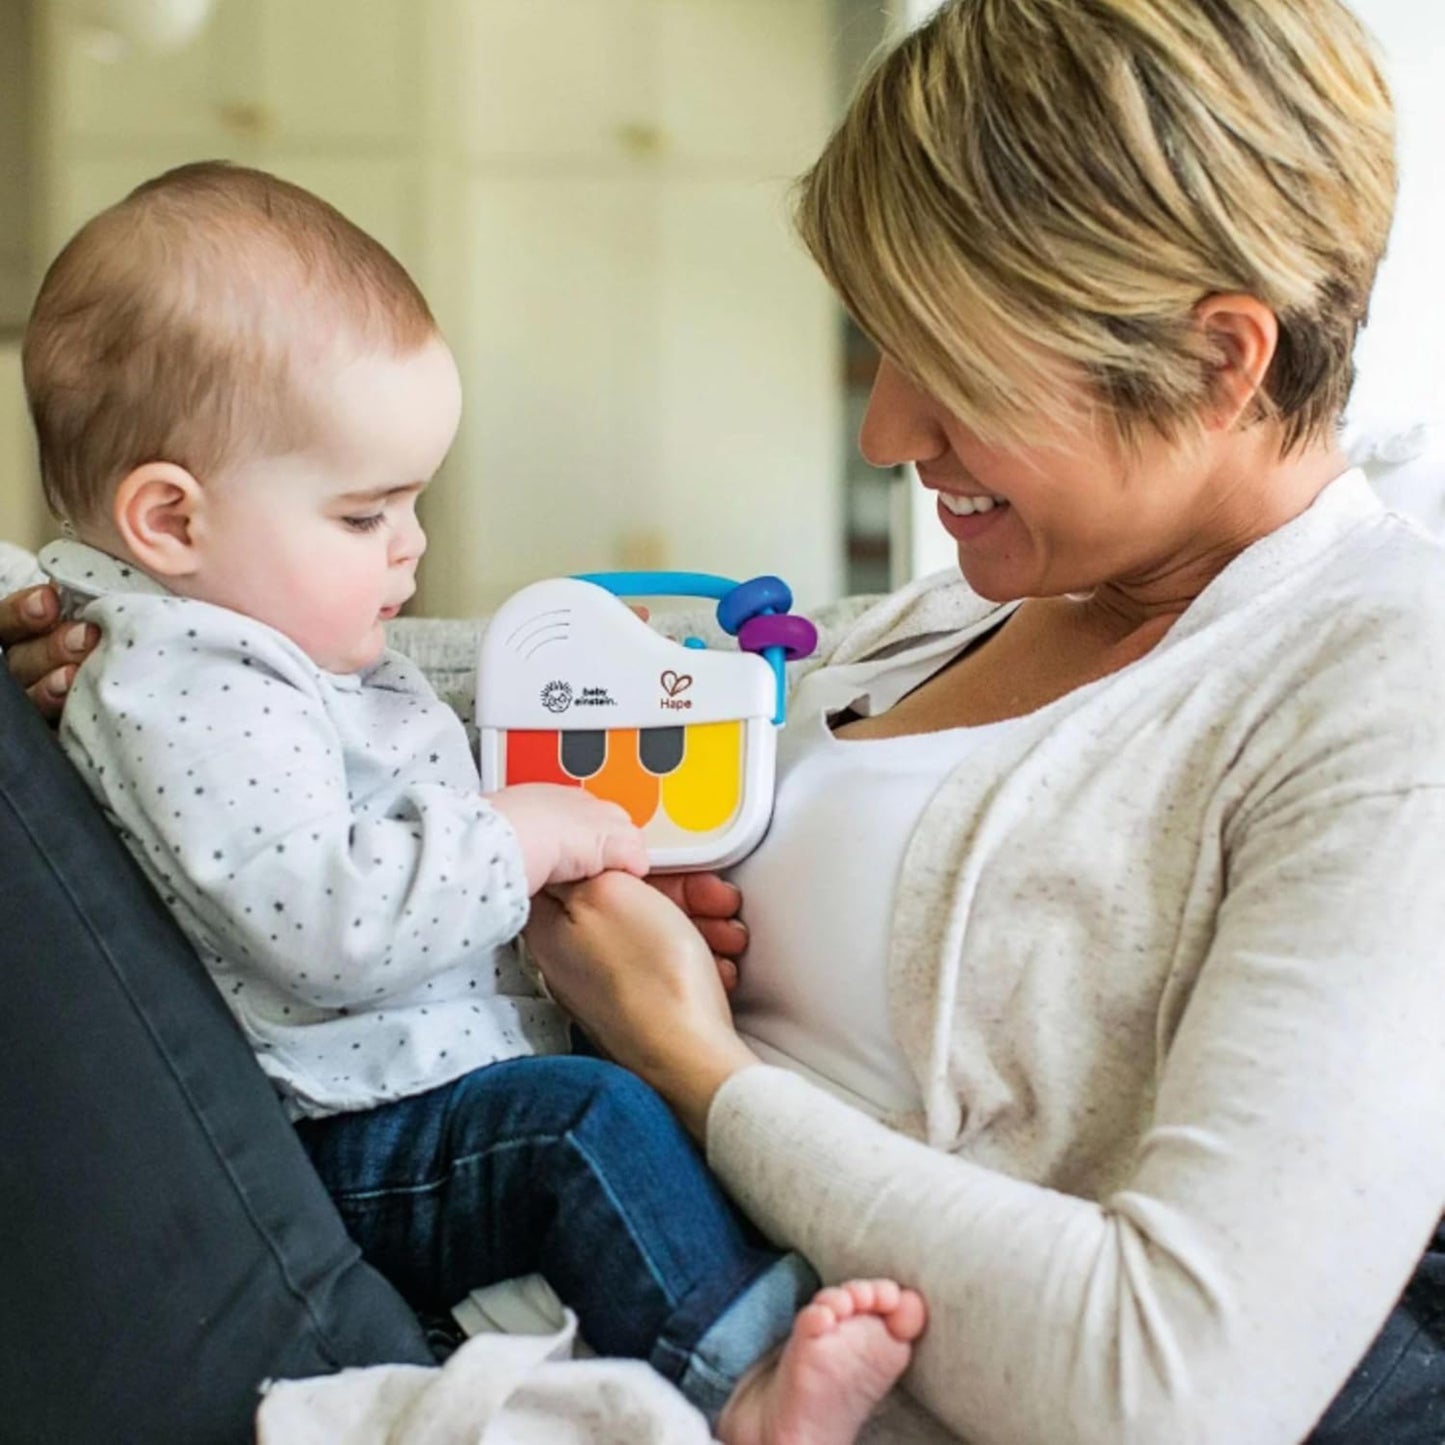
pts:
[967, 517]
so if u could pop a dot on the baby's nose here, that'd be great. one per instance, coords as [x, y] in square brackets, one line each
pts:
[410, 544]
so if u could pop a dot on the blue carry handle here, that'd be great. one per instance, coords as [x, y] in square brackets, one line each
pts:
[738, 604]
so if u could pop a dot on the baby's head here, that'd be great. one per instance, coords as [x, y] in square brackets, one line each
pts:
[243, 393]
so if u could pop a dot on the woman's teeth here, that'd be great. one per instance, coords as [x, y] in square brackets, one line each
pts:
[967, 506]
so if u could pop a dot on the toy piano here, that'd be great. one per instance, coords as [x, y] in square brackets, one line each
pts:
[574, 688]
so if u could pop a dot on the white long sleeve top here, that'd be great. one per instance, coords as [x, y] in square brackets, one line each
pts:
[1168, 967]
[321, 839]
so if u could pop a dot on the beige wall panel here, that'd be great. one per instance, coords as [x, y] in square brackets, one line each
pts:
[744, 81]
[553, 79]
[105, 101]
[23, 516]
[338, 71]
[555, 350]
[749, 407]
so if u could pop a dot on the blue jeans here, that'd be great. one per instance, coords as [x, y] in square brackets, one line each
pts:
[1396, 1395]
[575, 1169]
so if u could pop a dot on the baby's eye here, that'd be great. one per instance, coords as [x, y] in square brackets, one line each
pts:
[368, 523]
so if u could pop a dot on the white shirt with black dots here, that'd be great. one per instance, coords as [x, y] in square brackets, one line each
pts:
[321, 839]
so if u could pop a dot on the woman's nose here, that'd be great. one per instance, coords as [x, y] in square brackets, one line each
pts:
[899, 425]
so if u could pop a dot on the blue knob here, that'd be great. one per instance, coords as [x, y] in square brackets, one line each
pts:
[694, 643]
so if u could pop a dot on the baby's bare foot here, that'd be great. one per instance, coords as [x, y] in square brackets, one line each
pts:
[846, 1350]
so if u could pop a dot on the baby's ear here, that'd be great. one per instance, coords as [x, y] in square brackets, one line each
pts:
[155, 507]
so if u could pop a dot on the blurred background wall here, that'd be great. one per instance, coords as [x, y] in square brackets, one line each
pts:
[592, 193]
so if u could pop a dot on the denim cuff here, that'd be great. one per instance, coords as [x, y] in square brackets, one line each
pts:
[760, 1318]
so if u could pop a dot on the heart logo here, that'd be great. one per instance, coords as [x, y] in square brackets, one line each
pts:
[675, 682]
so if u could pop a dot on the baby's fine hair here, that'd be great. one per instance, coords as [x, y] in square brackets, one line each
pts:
[1021, 183]
[183, 324]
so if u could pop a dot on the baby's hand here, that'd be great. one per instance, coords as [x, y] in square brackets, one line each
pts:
[567, 835]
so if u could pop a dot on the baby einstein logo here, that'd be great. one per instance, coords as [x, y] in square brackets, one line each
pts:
[557, 696]
[674, 684]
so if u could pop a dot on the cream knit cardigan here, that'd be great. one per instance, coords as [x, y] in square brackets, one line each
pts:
[1169, 967]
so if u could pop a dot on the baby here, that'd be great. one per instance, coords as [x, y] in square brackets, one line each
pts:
[239, 398]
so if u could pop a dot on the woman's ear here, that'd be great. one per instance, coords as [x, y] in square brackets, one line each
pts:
[1242, 333]
[155, 511]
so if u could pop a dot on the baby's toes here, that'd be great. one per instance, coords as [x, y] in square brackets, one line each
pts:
[886, 1294]
[864, 1294]
[839, 1299]
[815, 1320]
[906, 1320]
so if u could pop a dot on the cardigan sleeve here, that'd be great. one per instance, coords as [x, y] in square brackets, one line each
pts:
[1289, 1179]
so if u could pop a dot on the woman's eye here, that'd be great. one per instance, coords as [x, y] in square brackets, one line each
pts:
[365, 524]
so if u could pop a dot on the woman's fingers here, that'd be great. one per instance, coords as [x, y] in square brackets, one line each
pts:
[50, 692]
[60, 650]
[27, 614]
[712, 904]
[707, 895]
[727, 937]
[41, 652]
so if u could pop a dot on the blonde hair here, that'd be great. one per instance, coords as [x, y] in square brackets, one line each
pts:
[169, 327]
[1025, 187]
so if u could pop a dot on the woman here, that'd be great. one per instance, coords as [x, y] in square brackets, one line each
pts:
[1151, 802]
[1097, 975]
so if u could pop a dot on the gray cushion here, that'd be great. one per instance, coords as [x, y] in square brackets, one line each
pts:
[165, 1244]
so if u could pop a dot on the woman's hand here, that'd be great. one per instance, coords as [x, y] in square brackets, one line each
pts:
[42, 655]
[711, 904]
[631, 968]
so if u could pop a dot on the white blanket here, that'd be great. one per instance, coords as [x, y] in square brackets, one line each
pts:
[496, 1390]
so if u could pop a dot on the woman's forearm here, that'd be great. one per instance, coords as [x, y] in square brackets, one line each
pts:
[691, 1085]
[1052, 1318]
[632, 968]
[1279, 1201]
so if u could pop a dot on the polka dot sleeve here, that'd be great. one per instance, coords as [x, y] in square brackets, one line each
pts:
[213, 749]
